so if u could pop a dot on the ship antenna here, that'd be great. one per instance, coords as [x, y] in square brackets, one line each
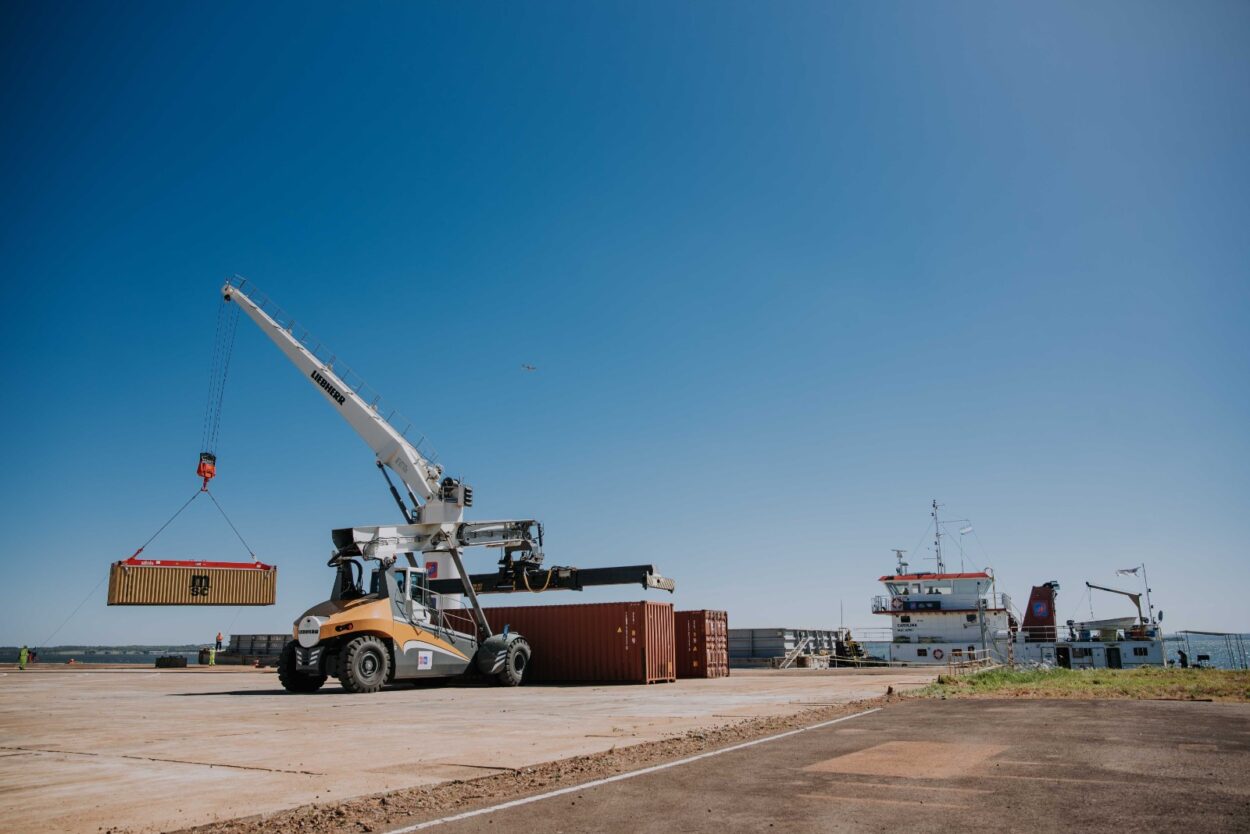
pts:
[902, 566]
[937, 539]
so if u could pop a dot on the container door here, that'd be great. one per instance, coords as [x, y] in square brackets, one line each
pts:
[1063, 657]
[1113, 658]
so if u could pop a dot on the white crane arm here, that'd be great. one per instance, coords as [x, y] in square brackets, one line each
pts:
[393, 450]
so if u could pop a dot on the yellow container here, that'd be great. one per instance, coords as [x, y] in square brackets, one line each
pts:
[194, 584]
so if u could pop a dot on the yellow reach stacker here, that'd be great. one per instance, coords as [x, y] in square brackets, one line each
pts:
[387, 618]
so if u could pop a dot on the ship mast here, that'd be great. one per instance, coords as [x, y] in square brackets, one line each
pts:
[937, 538]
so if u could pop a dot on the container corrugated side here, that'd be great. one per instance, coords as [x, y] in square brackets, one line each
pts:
[257, 643]
[614, 641]
[702, 644]
[152, 585]
[777, 642]
[661, 641]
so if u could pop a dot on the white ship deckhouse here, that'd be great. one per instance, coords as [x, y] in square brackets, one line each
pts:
[945, 618]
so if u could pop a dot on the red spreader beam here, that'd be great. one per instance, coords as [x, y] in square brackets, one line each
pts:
[172, 563]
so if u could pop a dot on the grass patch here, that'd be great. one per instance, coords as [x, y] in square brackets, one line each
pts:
[1175, 684]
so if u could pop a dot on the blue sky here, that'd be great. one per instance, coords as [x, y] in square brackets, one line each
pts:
[788, 273]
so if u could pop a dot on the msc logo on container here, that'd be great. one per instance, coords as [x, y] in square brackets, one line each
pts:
[199, 585]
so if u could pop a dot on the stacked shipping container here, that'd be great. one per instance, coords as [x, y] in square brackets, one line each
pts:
[766, 643]
[258, 645]
[702, 644]
[625, 642]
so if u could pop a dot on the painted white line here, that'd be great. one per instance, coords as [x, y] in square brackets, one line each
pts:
[620, 777]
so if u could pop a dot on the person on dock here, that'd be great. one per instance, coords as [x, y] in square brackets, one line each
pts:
[219, 641]
[23, 655]
[212, 656]
[1184, 658]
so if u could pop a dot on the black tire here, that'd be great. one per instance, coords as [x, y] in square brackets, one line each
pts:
[364, 664]
[515, 663]
[292, 679]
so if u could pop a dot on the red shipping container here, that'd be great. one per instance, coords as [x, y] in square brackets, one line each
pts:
[702, 644]
[627, 642]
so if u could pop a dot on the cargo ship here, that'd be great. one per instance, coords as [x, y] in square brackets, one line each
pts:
[945, 618]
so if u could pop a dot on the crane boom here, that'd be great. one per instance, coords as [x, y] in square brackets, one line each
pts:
[437, 502]
[435, 526]
[1136, 598]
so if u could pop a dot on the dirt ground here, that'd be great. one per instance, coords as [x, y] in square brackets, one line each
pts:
[379, 813]
[139, 750]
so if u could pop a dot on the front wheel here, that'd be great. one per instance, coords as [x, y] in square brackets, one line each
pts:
[292, 679]
[518, 658]
[364, 665]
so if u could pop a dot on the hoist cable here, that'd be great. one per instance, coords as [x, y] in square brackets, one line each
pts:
[232, 527]
[219, 371]
[89, 595]
[101, 582]
[166, 524]
[232, 320]
[212, 380]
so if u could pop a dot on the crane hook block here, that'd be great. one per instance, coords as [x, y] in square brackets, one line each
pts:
[207, 468]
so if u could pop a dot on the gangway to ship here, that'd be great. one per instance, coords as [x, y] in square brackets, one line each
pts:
[788, 660]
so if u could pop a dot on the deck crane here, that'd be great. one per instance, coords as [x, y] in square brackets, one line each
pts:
[395, 626]
[1135, 598]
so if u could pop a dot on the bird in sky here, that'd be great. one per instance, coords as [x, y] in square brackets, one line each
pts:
[528, 367]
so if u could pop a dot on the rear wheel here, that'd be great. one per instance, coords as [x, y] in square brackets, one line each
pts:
[364, 665]
[515, 663]
[292, 679]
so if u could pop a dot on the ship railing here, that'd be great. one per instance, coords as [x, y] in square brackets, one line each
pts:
[919, 603]
[1062, 633]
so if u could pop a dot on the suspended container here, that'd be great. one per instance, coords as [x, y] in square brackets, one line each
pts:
[158, 582]
[702, 644]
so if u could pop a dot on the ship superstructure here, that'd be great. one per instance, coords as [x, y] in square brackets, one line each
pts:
[941, 617]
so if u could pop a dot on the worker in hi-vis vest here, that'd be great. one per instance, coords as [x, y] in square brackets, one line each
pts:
[22, 656]
[212, 657]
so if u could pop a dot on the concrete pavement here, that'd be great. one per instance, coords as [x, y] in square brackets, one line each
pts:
[974, 765]
[143, 750]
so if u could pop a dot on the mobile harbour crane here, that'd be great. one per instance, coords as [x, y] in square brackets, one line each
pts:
[396, 628]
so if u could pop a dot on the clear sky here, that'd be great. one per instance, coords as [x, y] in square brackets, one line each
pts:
[788, 272]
